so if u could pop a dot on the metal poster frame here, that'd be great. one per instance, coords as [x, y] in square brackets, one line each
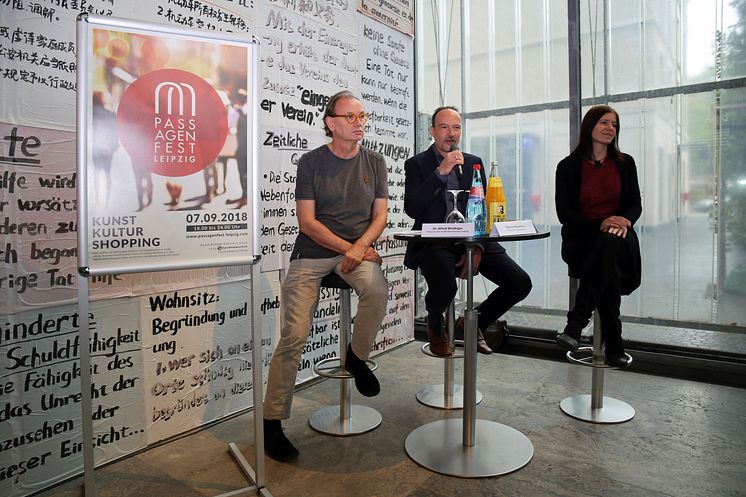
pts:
[125, 261]
[85, 25]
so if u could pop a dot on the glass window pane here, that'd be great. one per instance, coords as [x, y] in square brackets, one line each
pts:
[480, 83]
[647, 133]
[439, 55]
[427, 58]
[532, 53]
[504, 87]
[558, 60]
[688, 146]
[733, 184]
[625, 47]
[696, 237]
[659, 58]
[734, 27]
[700, 29]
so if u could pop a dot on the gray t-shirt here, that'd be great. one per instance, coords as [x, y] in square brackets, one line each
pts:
[344, 191]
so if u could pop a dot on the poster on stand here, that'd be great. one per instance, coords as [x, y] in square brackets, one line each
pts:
[165, 132]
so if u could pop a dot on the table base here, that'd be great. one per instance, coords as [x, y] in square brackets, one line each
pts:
[613, 410]
[435, 396]
[362, 419]
[499, 449]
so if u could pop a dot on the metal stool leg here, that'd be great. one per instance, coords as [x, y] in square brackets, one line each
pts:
[596, 408]
[447, 395]
[346, 418]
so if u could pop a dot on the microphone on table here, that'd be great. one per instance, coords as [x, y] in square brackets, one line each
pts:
[457, 168]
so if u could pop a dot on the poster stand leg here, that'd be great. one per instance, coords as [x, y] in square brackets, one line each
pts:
[85, 386]
[258, 477]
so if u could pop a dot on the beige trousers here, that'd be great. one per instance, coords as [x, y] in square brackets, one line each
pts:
[300, 296]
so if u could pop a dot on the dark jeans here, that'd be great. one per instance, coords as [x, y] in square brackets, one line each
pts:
[598, 289]
[438, 268]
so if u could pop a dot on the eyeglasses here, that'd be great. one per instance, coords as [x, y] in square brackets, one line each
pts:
[351, 118]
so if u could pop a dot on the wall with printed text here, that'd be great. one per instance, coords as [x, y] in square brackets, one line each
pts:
[171, 350]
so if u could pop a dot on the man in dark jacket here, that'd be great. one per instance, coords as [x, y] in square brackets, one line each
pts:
[428, 175]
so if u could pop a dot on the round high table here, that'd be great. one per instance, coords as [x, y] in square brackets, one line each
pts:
[469, 447]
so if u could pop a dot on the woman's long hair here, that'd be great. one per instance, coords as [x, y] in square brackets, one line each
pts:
[584, 148]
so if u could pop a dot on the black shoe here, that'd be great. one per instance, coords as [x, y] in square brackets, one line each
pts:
[617, 360]
[567, 342]
[569, 339]
[365, 381]
[276, 444]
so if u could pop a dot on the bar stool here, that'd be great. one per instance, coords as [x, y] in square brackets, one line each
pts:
[447, 395]
[595, 407]
[346, 418]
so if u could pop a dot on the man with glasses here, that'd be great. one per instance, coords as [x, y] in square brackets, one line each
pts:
[341, 198]
[427, 177]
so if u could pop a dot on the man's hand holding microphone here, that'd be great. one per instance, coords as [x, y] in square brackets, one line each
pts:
[453, 160]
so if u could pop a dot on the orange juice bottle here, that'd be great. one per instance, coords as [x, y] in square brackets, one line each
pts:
[495, 198]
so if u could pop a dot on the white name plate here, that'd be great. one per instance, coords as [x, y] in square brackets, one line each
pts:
[461, 230]
[506, 228]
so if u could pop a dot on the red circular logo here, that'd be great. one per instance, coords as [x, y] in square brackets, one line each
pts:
[172, 122]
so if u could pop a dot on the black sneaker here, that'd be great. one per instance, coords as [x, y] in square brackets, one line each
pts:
[617, 360]
[569, 339]
[276, 444]
[567, 342]
[365, 381]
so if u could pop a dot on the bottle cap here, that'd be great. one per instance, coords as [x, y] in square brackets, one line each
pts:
[477, 166]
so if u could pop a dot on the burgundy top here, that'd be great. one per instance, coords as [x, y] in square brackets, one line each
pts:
[600, 189]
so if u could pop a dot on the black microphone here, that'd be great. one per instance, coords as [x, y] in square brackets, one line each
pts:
[597, 164]
[457, 168]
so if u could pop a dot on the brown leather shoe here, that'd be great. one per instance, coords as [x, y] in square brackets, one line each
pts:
[438, 342]
[458, 334]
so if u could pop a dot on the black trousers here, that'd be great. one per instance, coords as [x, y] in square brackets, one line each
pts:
[438, 268]
[598, 287]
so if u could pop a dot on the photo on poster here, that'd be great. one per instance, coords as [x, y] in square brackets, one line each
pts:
[166, 127]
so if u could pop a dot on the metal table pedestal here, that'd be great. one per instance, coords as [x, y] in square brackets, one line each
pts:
[498, 449]
[469, 447]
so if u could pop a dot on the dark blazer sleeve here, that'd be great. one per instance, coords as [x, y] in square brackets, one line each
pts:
[632, 200]
[423, 191]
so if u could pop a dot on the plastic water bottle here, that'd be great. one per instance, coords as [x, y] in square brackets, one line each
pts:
[495, 197]
[476, 212]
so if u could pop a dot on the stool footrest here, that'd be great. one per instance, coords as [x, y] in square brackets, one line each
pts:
[426, 350]
[583, 358]
[331, 367]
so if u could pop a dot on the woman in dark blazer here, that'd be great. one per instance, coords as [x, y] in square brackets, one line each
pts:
[597, 197]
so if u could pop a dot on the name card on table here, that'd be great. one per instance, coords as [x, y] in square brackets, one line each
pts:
[460, 230]
[506, 228]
